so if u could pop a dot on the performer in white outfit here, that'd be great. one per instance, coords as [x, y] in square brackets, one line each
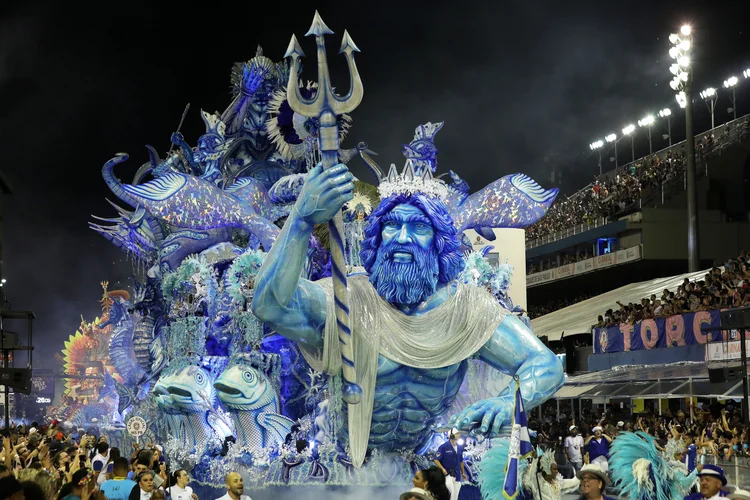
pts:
[543, 480]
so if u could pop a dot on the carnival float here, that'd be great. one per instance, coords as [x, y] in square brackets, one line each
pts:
[225, 391]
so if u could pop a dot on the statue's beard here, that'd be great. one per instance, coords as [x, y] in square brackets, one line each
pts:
[406, 283]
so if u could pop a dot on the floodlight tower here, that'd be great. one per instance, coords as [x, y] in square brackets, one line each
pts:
[630, 130]
[731, 83]
[597, 146]
[667, 113]
[648, 121]
[682, 83]
[709, 95]
[613, 138]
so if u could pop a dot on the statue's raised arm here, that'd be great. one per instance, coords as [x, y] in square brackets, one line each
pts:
[293, 306]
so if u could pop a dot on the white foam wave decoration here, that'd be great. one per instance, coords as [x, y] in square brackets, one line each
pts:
[532, 189]
[159, 189]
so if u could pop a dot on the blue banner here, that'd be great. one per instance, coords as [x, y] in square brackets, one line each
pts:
[682, 329]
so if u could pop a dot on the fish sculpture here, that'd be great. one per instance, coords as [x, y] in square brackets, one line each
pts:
[171, 414]
[253, 405]
[192, 396]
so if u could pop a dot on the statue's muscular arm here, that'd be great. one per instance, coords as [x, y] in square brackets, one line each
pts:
[293, 306]
[514, 350]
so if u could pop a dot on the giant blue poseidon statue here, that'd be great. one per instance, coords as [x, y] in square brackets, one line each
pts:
[413, 325]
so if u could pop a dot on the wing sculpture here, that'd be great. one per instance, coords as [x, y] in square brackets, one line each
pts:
[515, 201]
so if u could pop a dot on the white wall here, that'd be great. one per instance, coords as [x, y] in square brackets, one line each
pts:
[510, 246]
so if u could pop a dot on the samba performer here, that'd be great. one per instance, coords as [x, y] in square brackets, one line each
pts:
[641, 472]
[542, 479]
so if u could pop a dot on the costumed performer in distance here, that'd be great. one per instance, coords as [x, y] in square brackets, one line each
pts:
[543, 480]
[413, 324]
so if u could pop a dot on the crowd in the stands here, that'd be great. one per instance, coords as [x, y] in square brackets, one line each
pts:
[719, 288]
[614, 192]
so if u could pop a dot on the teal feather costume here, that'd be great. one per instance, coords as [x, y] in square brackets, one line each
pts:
[640, 471]
[491, 469]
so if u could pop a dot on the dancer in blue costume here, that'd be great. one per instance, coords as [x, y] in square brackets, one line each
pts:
[413, 325]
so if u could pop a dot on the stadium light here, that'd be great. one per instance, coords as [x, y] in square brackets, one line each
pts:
[667, 113]
[681, 99]
[613, 138]
[710, 96]
[746, 73]
[680, 51]
[629, 130]
[647, 121]
[597, 146]
[682, 84]
[731, 83]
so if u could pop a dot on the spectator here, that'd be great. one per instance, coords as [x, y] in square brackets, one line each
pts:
[574, 448]
[119, 487]
[181, 490]
[593, 482]
[235, 488]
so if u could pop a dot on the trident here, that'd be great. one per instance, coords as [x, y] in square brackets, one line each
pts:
[326, 106]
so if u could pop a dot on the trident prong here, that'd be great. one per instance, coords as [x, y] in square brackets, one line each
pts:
[325, 99]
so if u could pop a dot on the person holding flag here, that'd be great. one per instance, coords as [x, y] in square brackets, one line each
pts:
[503, 464]
[520, 446]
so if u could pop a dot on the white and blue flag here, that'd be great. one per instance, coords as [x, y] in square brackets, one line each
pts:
[520, 446]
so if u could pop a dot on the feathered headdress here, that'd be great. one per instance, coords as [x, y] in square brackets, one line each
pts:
[359, 203]
[546, 459]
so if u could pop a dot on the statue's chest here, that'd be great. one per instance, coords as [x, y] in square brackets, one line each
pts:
[391, 373]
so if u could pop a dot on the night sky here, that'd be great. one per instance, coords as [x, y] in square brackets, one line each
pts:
[522, 87]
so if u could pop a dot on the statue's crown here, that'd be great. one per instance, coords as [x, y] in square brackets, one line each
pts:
[412, 182]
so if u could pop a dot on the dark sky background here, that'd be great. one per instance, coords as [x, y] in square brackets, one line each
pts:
[522, 87]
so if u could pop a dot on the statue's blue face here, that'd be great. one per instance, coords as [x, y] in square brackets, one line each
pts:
[406, 269]
[407, 225]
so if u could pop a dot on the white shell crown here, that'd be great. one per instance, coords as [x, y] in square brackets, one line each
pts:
[408, 183]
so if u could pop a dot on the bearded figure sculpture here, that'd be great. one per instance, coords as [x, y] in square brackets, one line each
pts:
[413, 325]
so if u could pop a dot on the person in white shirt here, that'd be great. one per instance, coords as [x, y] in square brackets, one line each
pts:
[100, 461]
[573, 446]
[235, 488]
[181, 490]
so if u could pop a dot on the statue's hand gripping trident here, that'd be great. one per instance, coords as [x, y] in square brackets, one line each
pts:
[326, 106]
